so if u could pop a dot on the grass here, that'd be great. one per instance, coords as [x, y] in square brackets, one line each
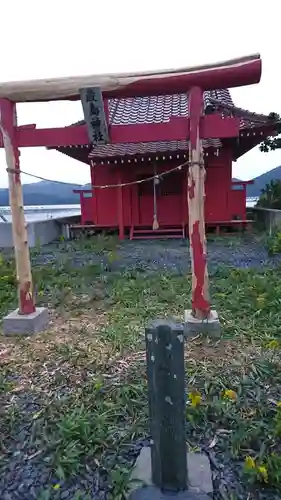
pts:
[86, 375]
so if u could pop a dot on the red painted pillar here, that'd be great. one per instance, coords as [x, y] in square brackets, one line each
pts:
[196, 195]
[120, 206]
[184, 198]
[82, 208]
[95, 193]
[8, 124]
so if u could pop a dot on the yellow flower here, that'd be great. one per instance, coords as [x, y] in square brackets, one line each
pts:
[195, 398]
[112, 257]
[57, 486]
[273, 344]
[278, 404]
[230, 394]
[98, 385]
[262, 470]
[250, 463]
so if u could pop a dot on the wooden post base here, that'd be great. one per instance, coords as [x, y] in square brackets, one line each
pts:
[194, 326]
[16, 324]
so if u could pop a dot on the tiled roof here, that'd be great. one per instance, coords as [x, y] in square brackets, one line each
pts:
[157, 109]
[248, 119]
[142, 148]
[154, 109]
[160, 109]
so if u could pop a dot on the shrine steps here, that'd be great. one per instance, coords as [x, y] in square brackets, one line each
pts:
[175, 232]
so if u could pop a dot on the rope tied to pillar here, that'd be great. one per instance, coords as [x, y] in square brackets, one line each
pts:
[200, 163]
[105, 186]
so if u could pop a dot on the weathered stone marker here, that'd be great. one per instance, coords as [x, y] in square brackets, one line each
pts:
[166, 395]
[166, 470]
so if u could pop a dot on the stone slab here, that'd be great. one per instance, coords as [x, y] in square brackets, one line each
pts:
[199, 478]
[153, 493]
[19, 324]
[194, 326]
[199, 473]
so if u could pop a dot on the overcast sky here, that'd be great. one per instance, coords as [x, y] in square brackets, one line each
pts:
[66, 38]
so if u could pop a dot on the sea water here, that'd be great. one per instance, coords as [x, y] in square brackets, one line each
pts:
[46, 212]
[43, 212]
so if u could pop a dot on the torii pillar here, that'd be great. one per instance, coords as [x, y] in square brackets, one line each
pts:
[200, 318]
[27, 319]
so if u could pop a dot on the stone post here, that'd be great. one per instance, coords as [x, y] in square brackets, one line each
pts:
[166, 394]
[165, 470]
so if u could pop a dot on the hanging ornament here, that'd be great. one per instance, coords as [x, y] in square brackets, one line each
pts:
[156, 181]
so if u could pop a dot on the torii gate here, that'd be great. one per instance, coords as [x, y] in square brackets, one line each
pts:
[233, 73]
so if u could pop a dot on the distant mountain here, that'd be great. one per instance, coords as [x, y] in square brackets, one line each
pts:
[261, 181]
[45, 193]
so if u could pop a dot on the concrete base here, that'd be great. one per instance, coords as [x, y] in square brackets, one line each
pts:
[18, 324]
[152, 493]
[194, 326]
[200, 484]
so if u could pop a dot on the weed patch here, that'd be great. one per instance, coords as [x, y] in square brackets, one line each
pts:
[77, 394]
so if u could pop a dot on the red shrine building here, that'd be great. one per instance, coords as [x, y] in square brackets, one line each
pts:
[149, 179]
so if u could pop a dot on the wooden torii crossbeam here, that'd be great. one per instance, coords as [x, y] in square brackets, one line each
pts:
[234, 73]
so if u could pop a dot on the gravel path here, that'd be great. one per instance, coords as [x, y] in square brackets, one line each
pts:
[169, 255]
[25, 476]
